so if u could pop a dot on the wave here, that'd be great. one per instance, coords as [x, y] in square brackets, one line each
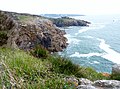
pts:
[72, 39]
[110, 53]
[88, 37]
[92, 26]
[77, 54]
[96, 62]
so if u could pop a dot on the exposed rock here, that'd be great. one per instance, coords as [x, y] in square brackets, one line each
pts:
[66, 21]
[107, 84]
[86, 87]
[83, 81]
[25, 31]
[72, 80]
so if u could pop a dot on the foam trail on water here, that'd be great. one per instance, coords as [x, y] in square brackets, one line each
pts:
[91, 26]
[71, 39]
[110, 53]
[88, 37]
[96, 62]
[77, 54]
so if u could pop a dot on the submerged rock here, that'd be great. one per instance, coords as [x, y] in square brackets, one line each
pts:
[25, 31]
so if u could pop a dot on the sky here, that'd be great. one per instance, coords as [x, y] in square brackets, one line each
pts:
[62, 6]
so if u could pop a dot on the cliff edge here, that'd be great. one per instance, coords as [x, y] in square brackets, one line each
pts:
[25, 31]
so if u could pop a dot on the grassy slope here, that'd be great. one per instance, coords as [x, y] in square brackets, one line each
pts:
[19, 69]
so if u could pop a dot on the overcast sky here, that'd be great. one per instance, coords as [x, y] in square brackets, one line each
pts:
[62, 6]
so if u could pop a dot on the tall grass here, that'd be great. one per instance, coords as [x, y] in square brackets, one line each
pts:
[20, 70]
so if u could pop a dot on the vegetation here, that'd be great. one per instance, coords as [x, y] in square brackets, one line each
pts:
[40, 52]
[19, 69]
[25, 18]
[3, 38]
[115, 76]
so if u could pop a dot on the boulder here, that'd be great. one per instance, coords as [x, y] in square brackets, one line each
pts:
[72, 80]
[107, 84]
[83, 81]
[86, 87]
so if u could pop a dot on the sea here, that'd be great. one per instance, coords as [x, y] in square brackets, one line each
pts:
[97, 45]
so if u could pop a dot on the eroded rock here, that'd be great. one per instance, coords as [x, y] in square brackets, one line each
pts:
[25, 31]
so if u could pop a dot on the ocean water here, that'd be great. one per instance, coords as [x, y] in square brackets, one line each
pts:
[96, 46]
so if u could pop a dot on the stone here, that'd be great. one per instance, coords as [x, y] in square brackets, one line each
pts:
[83, 81]
[107, 84]
[72, 80]
[86, 87]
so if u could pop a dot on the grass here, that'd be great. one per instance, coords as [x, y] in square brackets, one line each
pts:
[25, 18]
[20, 70]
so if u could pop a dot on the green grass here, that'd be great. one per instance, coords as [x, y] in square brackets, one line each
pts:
[25, 18]
[21, 70]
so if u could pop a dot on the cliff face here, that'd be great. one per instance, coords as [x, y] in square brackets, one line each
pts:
[25, 31]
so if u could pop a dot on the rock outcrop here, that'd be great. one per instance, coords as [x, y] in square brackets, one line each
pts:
[25, 31]
[66, 21]
[83, 83]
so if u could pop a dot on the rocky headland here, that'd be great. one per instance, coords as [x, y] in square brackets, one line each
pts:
[21, 70]
[25, 31]
[66, 21]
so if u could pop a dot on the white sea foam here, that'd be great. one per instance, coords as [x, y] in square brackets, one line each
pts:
[82, 30]
[77, 54]
[91, 26]
[71, 39]
[110, 53]
[96, 62]
[88, 37]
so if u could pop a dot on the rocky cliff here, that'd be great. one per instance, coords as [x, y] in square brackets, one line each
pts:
[25, 31]
[66, 21]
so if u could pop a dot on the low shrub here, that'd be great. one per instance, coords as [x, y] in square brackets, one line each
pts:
[40, 52]
[115, 76]
[65, 66]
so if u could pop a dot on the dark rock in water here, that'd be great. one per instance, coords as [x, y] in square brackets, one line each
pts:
[25, 31]
[66, 21]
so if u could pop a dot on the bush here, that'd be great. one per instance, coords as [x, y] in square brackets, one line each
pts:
[115, 76]
[3, 38]
[65, 66]
[40, 52]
